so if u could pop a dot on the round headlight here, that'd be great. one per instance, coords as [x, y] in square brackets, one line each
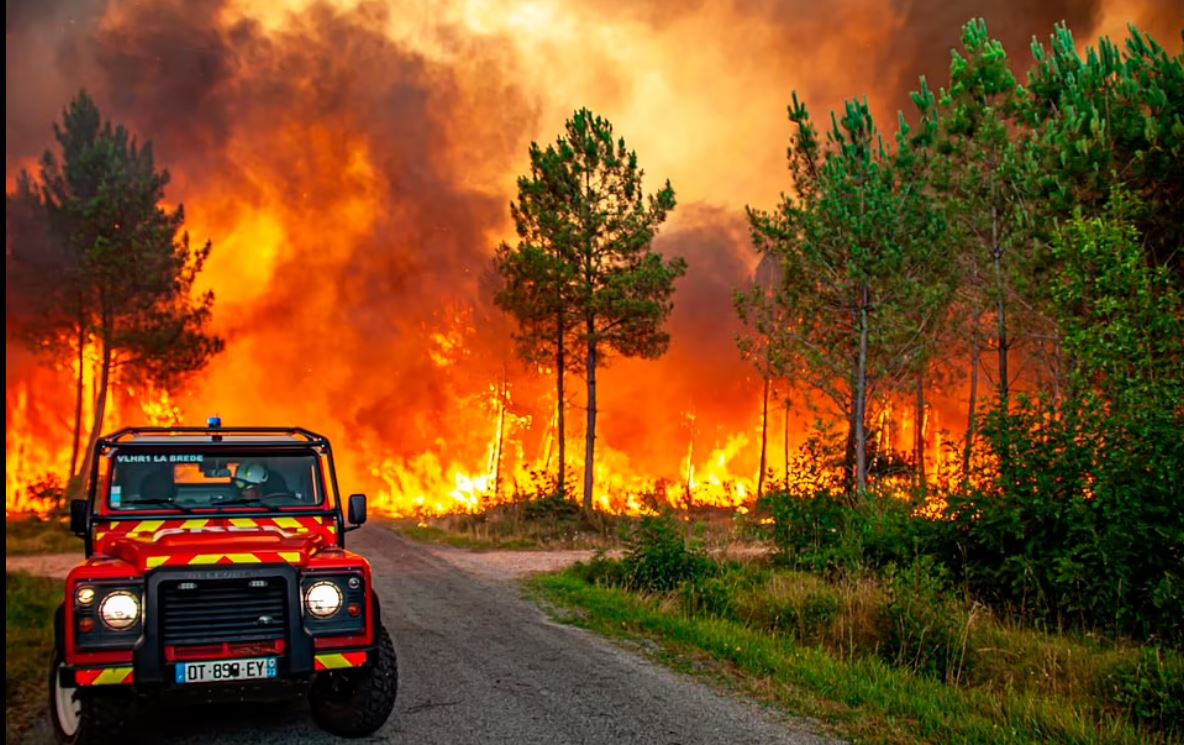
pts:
[84, 595]
[323, 599]
[120, 610]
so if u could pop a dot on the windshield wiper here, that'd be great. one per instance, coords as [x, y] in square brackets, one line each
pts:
[161, 501]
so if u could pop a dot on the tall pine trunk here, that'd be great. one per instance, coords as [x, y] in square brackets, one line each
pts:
[1001, 331]
[561, 404]
[861, 397]
[919, 432]
[1000, 312]
[501, 434]
[590, 435]
[786, 441]
[80, 381]
[971, 404]
[760, 479]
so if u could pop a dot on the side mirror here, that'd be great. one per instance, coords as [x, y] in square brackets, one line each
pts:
[79, 510]
[357, 510]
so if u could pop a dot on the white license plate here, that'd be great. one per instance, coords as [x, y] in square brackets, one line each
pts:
[220, 670]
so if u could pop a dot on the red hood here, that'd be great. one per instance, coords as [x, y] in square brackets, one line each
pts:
[150, 544]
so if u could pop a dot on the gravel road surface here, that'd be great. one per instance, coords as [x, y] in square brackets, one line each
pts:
[480, 664]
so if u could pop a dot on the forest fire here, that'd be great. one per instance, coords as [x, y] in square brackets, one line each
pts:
[352, 167]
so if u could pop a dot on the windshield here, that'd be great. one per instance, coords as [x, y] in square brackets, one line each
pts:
[196, 481]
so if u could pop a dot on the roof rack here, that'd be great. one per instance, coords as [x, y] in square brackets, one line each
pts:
[217, 434]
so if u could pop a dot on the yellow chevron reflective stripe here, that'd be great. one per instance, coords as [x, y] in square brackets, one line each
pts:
[147, 526]
[243, 522]
[243, 558]
[194, 524]
[333, 661]
[99, 536]
[286, 522]
[155, 561]
[292, 557]
[112, 676]
[232, 558]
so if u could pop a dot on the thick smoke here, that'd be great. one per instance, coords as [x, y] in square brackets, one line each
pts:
[337, 142]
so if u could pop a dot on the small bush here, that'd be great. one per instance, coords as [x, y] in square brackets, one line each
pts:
[807, 530]
[551, 507]
[888, 531]
[712, 596]
[1150, 689]
[925, 630]
[658, 558]
[601, 570]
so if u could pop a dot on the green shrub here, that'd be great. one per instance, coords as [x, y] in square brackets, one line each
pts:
[552, 506]
[601, 570]
[711, 596]
[1083, 531]
[658, 557]
[807, 530]
[1150, 689]
[817, 611]
[888, 531]
[925, 629]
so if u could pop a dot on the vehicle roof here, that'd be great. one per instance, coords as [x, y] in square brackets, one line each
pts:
[213, 436]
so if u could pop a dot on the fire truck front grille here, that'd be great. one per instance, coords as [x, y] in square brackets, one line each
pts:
[209, 611]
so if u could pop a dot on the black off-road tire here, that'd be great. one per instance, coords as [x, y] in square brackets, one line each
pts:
[355, 703]
[102, 716]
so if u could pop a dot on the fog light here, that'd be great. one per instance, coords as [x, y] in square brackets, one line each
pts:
[85, 595]
[354, 583]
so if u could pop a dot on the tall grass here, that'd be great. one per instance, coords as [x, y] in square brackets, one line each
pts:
[29, 605]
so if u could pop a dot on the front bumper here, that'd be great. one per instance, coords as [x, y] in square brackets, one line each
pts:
[151, 668]
[126, 675]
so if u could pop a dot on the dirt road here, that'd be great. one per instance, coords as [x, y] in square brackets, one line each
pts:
[479, 664]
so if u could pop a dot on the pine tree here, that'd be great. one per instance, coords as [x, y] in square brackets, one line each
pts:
[987, 176]
[583, 281]
[855, 241]
[127, 274]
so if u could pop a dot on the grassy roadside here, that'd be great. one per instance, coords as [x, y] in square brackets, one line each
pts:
[425, 533]
[860, 697]
[36, 536]
[558, 524]
[29, 604]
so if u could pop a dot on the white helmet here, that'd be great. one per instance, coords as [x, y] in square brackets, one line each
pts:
[250, 474]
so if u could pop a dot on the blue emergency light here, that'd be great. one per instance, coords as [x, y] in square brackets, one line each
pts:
[214, 422]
